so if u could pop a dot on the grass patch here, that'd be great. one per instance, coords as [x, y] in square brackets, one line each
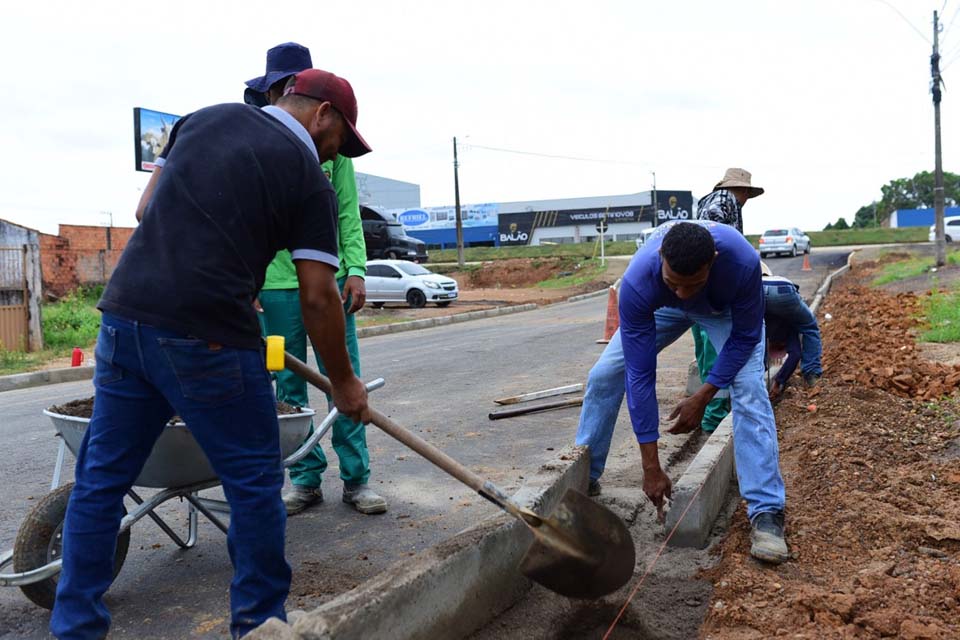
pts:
[72, 321]
[20, 361]
[909, 268]
[581, 250]
[629, 247]
[942, 311]
[576, 275]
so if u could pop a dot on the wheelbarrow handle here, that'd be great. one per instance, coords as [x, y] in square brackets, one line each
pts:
[484, 487]
[321, 430]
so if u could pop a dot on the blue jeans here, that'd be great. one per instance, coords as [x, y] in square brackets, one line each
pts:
[143, 376]
[754, 429]
[784, 302]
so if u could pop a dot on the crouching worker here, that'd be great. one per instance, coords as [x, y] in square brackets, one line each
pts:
[705, 273]
[791, 328]
[179, 334]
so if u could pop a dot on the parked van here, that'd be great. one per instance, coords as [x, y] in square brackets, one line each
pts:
[385, 238]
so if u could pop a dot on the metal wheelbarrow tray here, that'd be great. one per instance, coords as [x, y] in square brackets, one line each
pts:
[176, 466]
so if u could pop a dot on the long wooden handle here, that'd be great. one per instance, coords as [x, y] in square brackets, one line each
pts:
[394, 430]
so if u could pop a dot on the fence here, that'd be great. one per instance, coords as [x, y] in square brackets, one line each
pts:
[20, 290]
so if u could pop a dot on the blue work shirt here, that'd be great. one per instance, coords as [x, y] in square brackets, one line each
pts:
[733, 285]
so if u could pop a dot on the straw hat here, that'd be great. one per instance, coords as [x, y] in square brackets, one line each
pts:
[738, 178]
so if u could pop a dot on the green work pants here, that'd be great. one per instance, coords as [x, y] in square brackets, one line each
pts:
[281, 316]
[718, 408]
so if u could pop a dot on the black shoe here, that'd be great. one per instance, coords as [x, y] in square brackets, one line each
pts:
[594, 489]
[767, 538]
[811, 379]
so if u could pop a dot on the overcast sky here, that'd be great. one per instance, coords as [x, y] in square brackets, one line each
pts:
[823, 100]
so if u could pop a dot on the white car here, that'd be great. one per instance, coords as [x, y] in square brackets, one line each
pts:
[951, 229]
[789, 240]
[404, 281]
[644, 236]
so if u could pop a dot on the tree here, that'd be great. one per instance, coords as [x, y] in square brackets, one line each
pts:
[841, 224]
[911, 193]
[828, 227]
[866, 216]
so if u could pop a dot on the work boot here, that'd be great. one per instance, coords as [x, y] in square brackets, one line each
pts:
[766, 538]
[594, 488]
[300, 497]
[811, 379]
[364, 499]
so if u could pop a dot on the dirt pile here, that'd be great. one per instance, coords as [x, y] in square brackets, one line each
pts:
[870, 342]
[517, 273]
[83, 408]
[873, 495]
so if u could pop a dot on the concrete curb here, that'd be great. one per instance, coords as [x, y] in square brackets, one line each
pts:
[449, 590]
[706, 480]
[40, 378]
[828, 282]
[702, 488]
[585, 296]
[413, 325]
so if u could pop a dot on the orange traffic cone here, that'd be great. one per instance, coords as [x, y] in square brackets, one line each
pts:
[806, 263]
[612, 323]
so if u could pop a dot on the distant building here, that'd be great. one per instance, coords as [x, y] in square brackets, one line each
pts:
[556, 221]
[80, 255]
[387, 193]
[21, 288]
[919, 217]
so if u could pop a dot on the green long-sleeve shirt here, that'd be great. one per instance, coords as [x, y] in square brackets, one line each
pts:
[281, 274]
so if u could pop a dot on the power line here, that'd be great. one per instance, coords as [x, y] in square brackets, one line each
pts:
[907, 20]
[956, 12]
[471, 145]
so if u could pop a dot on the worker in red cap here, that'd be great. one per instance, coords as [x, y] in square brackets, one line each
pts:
[179, 335]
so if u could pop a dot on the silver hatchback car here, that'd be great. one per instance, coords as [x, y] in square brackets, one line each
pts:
[790, 241]
[404, 281]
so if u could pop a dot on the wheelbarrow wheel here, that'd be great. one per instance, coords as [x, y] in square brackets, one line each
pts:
[40, 541]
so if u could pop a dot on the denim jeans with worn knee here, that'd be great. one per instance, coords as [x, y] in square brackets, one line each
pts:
[143, 375]
[754, 429]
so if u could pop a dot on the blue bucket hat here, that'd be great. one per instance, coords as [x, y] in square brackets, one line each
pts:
[283, 60]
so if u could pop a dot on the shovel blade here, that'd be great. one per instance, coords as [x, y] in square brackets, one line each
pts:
[582, 550]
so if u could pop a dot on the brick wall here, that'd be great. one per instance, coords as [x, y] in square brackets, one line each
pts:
[80, 256]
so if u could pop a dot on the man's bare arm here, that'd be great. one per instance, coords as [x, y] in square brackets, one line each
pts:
[148, 193]
[323, 318]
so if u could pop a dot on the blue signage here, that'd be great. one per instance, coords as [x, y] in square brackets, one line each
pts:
[413, 217]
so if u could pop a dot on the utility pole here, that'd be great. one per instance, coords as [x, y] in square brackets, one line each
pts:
[938, 159]
[654, 174]
[456, 195]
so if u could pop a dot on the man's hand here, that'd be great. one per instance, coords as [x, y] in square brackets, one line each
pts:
[690, 411]
[776, 390]
[656, 485]
[355, 290]
[350, 398]
[257, 306]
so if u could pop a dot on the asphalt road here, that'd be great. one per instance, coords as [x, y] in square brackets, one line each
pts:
[440, 383]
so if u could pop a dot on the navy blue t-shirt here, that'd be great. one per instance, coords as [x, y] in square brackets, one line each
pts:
[237, 186]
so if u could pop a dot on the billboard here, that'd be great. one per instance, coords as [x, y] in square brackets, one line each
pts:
[428, 218]
[518, 228]
[151, 131]
[673, 205]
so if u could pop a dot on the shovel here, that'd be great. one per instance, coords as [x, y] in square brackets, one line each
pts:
[581, 550]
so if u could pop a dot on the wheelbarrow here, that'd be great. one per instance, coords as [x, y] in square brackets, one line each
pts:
[176, 465]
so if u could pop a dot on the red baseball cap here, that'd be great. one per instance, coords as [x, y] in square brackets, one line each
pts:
[325, 86]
